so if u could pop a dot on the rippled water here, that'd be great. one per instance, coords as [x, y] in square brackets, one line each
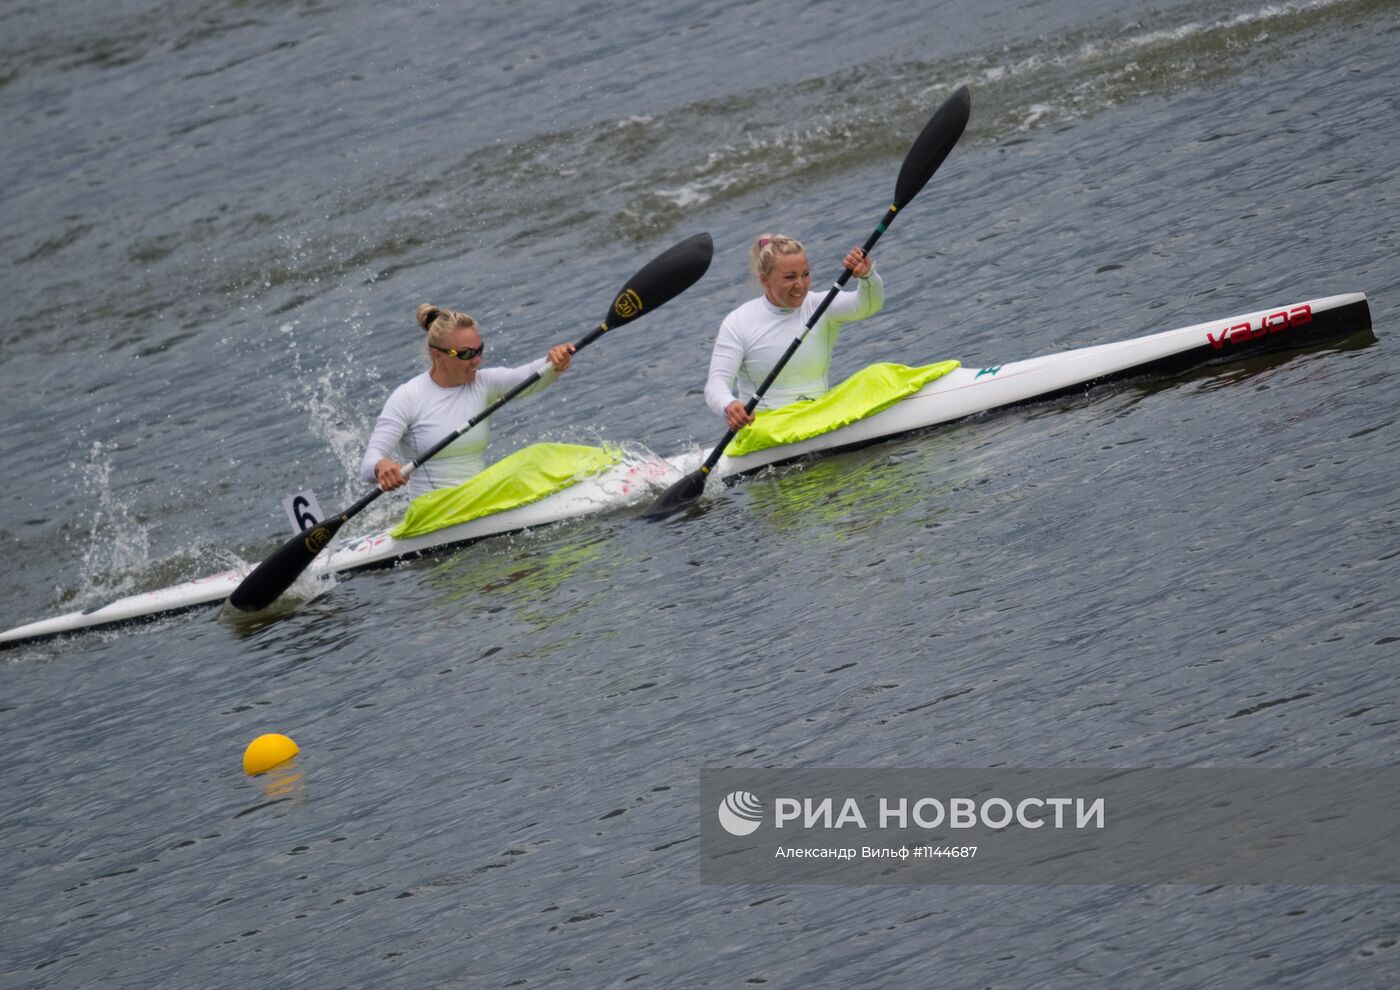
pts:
[217, 221]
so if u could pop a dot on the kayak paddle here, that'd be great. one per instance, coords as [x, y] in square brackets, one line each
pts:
[928, 152]
[663, 278]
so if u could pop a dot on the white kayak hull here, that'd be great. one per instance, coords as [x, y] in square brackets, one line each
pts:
[961, 393]
[966, 392]
[619, 486]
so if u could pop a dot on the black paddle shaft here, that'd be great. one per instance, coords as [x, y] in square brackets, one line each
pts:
[437, 448]
[812, 321]
[925, 155]
[661, 279]
[278, 572]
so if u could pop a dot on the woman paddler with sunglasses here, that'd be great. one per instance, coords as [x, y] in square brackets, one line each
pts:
[423, 410]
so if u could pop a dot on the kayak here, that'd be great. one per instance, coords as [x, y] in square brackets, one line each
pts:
[619, 486]
[960, 393]
[965, 392]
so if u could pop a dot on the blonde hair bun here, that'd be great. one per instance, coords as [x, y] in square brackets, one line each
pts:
[439, 323]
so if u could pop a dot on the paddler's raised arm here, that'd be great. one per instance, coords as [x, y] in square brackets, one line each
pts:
[869, 297]
[499, 381]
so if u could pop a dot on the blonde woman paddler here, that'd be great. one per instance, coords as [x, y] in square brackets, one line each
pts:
[423, 410]
[753, 337]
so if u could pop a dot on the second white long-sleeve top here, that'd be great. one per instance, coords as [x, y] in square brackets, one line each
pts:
[753, 337]
[420, 412]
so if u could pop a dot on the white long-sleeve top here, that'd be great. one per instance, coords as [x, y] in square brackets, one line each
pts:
[753, 337]
[420, 412]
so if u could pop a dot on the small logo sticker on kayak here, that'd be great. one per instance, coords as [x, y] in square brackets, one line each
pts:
[628, 304]
[988, 371]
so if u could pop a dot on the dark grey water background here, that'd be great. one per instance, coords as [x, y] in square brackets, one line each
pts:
[216, 221]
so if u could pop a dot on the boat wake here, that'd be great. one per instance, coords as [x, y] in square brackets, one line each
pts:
[307, 589]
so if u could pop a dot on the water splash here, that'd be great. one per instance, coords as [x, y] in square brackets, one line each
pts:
[118, 544]
[332, 397]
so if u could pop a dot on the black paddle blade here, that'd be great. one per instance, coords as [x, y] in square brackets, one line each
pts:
[932, 145]
[662, 278]
[276, 574]
[679, 497]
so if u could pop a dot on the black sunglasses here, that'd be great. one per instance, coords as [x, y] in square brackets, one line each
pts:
[466, 354]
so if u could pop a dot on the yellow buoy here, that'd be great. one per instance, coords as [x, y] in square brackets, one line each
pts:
[268, 751]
